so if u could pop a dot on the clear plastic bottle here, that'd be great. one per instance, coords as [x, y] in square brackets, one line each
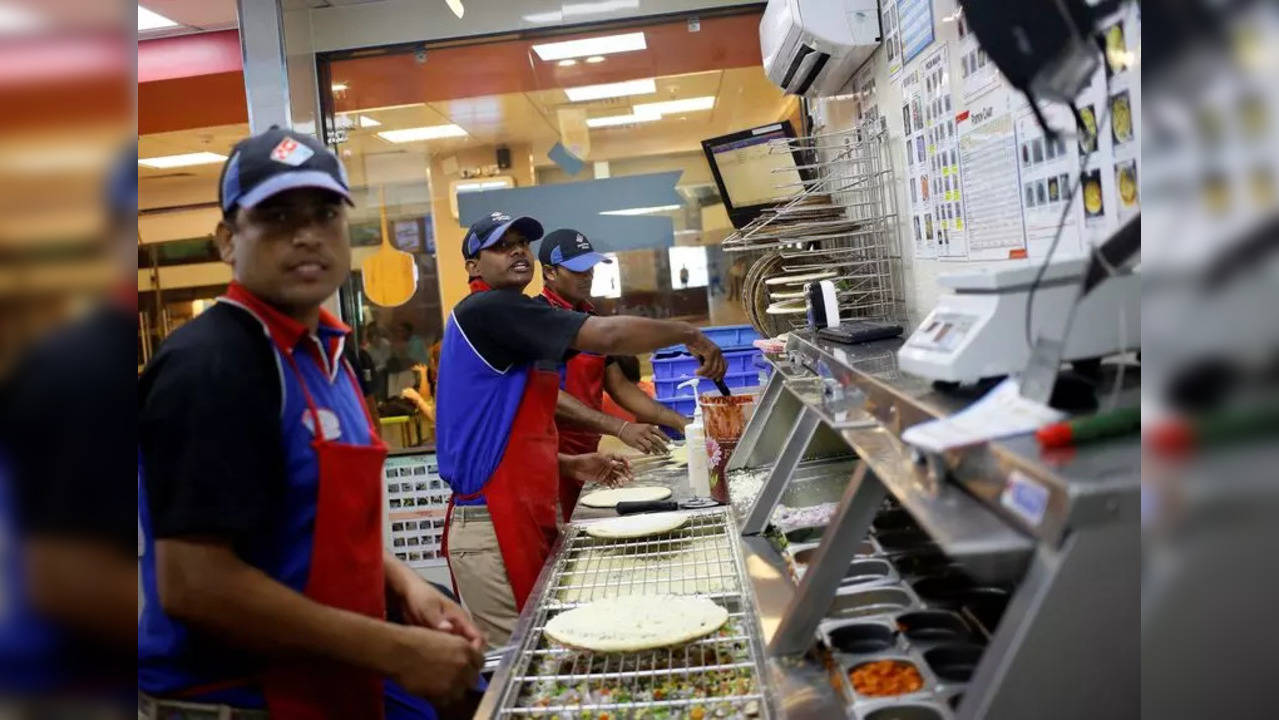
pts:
[695, 446]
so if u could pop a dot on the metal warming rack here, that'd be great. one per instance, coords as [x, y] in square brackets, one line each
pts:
[843, 219]
[721, 673]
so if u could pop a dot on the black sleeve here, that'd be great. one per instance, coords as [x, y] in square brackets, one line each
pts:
[508, 328]
[209, 433]
[362, 363]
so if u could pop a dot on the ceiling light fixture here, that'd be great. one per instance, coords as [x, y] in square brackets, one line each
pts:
[611, 90]
[642, 210]
[430, 132]
[567, 63]
[612, 120]
[152, 20]
[603, 45]
[339, 87]
[670, 107]
[366, 121]
[456, 7]
[164, 162]
[595, 59]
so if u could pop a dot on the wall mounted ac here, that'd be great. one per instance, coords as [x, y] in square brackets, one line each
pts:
[812, 47]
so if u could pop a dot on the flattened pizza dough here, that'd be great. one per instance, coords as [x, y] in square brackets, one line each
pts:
[636, 622]
[637, 526]
[610, 498]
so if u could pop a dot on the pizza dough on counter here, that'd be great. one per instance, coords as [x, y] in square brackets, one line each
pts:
[610, 498]
[636, 526]
[636, 622]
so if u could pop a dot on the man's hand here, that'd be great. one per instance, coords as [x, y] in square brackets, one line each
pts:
[711, 357]
[435, 665]
[602, 468]
[643, 437]
[426, 607]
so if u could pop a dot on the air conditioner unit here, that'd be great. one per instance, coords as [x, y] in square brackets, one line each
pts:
[813, 47]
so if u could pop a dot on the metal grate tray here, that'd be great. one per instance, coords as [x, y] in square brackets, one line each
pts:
[720, 676]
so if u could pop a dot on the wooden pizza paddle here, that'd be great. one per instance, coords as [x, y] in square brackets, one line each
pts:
[390, 275]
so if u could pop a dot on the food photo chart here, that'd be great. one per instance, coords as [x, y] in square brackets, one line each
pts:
[416, 502]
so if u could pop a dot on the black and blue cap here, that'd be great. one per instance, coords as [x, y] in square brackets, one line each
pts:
[569, 248]
[486, 232]
[271, 162]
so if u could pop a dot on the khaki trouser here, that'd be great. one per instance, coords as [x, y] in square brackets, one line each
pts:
[480, 575]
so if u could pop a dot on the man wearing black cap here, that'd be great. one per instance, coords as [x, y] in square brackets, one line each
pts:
[495, 412]
[264, 575]
[568, 267]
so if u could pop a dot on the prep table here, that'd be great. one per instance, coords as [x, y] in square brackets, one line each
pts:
[1007, 578]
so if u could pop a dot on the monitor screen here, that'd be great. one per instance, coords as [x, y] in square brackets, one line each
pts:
[751, 173]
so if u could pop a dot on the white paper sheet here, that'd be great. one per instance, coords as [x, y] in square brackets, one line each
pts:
[1001, 413]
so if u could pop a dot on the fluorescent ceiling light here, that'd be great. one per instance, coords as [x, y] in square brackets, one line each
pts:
[611, 120]
[611, 90]
[602, 45]
[481, 185]
[642, 210]
[151, 20]
[670, 107]
[366, 121]
[431, 132]
[587, 8]
[172, 161]
[595, 59]
[567, 63]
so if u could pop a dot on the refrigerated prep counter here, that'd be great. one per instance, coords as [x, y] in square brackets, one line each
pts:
[863, 579]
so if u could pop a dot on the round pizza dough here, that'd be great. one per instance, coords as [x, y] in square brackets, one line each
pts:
[610, 498]
[636, 622]
[636, 526]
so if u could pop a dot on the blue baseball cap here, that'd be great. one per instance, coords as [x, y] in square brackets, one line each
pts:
[485, 233]
[277, 160]
[569, 248]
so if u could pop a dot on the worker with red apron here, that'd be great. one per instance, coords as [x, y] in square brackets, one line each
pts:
[265, 579]
[496, 439]
[568, 270]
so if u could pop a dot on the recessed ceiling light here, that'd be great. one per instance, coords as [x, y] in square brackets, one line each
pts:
[366, 121]
[670, 107]
[431, 132]
[641, 210]
[595, 59]
[612, 120]
[611, 90]
[339, 87]
[151, 20]
[567, 63]
[172, 161]
[603, 45]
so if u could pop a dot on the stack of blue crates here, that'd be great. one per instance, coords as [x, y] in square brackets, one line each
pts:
[674, 365]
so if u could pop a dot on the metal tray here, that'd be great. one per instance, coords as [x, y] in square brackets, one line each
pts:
[731, 663]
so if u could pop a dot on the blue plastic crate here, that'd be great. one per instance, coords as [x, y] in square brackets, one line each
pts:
[727, 337]
[740, 361]
[682, 405]
[680, 366]
[671, 389]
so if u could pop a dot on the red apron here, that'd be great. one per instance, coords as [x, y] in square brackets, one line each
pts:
[520, 494]
[346, 572]
[584, 380]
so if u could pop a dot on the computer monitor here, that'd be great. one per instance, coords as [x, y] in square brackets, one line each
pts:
[752, 176]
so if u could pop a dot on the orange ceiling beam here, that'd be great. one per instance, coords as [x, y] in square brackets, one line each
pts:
[511, 66]
[190, 81]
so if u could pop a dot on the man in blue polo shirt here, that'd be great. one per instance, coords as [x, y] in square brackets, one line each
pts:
[265, 578]
[495, 416]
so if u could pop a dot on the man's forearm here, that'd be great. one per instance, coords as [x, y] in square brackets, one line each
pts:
[572, 411]
[244, 607]
[627, 335]
[645, 409]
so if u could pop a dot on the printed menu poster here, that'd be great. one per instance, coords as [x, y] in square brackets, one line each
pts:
[892, 38]
[1049, 170]
[943, 155]
[978, 73]
[988, 156]
[918, 175]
